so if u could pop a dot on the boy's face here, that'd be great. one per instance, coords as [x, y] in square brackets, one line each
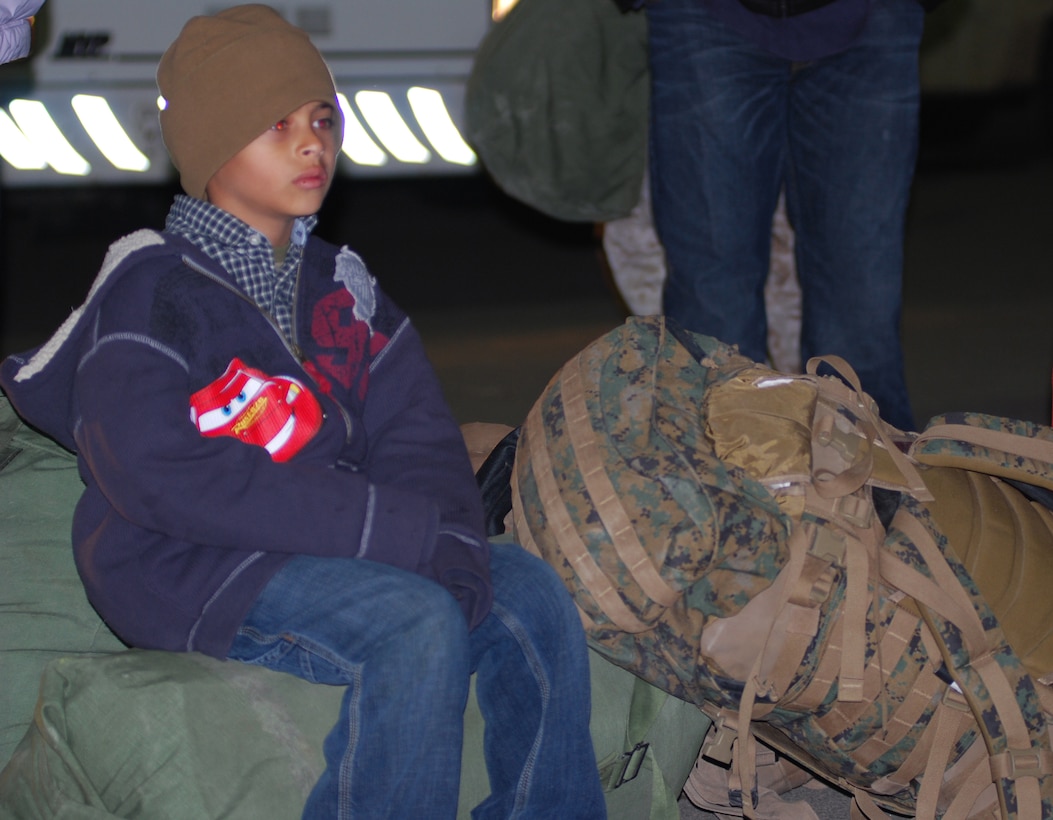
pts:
[283, 174]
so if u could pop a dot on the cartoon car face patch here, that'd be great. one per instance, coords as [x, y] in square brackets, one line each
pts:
[277, 413]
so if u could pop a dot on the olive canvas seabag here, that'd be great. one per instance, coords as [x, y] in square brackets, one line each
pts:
[92, 729]
[556, 107]
[765, 546]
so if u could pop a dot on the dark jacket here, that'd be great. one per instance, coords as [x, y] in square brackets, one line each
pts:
[791, 8]
[181, 525]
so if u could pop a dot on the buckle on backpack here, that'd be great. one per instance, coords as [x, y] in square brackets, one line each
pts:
[954, 698]
[628, 765]
[828, 546]
[1016, 763]
[719, 740]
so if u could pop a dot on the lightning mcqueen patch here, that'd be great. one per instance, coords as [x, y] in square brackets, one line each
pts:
[277, 413]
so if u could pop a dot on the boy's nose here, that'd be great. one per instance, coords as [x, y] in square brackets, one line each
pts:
[313, 146]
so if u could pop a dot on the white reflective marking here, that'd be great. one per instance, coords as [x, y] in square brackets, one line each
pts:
[16, 149]
[434, 120]
[40, 129]
[383, 117]
[106, 132]
[358, 145]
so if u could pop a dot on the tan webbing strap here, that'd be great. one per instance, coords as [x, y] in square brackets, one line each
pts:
[592, 576]
[604, 497]
[825, 674]
[925, 591]
[834, 660]
[798, 618]
[857, 601]
[746, 752]
[1017, 445]
[526, 539]
[1026, 763]
[891, 647]
[795, 625]
[979, 648]
[910, 768]
[902, 721]
[864, 807]
[964, 802]
[950, 723]
[910, 473]
[966, 780]
[1020, 762]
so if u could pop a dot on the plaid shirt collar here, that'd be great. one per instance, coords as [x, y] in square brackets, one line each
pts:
[245, 253]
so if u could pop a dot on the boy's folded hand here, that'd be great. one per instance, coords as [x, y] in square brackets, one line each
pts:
[462, 566]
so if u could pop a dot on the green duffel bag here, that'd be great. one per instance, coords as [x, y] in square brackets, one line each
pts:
[99, 731]
[556, 107]
[161, 735]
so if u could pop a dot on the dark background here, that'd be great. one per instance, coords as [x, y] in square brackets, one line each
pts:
[504, 294]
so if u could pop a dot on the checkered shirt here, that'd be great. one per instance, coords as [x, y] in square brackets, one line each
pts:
[245, 253]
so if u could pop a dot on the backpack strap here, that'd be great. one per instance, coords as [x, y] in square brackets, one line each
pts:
[620, 768]
[1011, 449]
[980, 662]
[608, 505]
[595, 581]
[862, 403]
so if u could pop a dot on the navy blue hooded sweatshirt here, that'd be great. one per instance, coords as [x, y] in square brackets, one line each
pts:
[213, 448]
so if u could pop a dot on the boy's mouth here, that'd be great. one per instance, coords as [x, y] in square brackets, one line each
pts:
[314, 178]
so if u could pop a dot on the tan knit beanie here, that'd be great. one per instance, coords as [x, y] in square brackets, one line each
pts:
[226, 79]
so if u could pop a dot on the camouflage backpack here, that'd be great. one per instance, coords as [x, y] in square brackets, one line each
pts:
[764, 546]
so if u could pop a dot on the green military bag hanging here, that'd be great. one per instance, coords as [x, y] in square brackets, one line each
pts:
[556, 107]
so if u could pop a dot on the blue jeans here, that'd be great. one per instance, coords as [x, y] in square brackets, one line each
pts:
[731, 125]
[401, 646]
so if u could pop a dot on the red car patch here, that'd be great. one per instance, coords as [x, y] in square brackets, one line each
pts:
[277, 413]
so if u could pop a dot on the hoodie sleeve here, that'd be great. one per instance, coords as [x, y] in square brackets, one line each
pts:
[159, 473]
[415, 445]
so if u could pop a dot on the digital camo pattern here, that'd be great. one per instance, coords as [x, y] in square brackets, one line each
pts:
[719, 539]
[697, 518]
[990, 459]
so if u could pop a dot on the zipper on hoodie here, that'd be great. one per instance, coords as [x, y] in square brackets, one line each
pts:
[294, 349]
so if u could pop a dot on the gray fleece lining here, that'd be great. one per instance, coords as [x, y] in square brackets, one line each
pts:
[117, 253]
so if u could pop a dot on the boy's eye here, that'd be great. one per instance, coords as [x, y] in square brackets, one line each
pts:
[280, 125]
[324, 123]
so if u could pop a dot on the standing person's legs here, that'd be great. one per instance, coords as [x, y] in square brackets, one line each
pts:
[718, 133]
[853, 145]
[532, 684]
[400, 644]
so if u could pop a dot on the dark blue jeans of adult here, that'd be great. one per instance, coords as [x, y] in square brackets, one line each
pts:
[731, 124]
[401, 645]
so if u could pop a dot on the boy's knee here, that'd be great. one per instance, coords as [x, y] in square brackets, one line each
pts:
[526, 585]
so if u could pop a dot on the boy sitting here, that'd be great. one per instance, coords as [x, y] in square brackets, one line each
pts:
[272, 474]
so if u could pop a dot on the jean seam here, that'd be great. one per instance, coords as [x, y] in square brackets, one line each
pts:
[522, 639]
[347, 761]
[307, 647]
[288, 642]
